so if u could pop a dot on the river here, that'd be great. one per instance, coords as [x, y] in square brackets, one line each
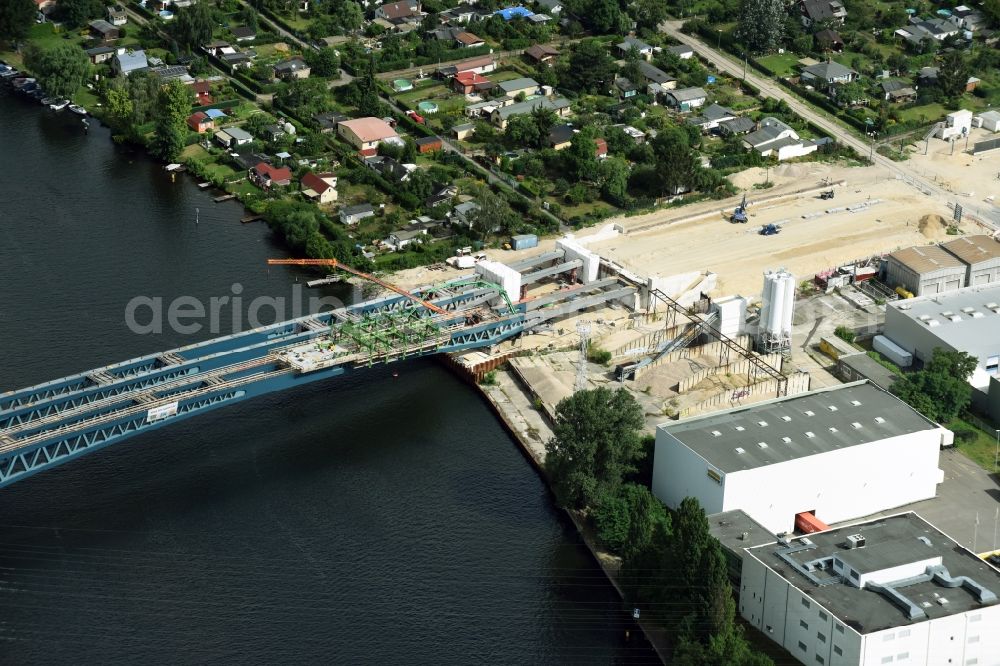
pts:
[373, 519]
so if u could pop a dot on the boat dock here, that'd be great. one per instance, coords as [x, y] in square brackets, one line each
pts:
[246, 219]
[224, 197]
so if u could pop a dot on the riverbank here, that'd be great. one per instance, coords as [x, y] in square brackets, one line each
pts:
[513, 404]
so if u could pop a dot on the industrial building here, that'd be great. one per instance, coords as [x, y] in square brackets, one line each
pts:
[966, 320]
[872, 451]
[925, 270]
[890, 591]
[981, 256]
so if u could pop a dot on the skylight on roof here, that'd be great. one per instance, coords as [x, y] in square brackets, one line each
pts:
[716, 433]
[810, 412]
[832, 408]
[762, 424]
[810, 434]
[832, 429]
[857, 426]
[856, 403]
[786, 440]
[740, 450]
[740, 428]
[879, 419]
[762, 445]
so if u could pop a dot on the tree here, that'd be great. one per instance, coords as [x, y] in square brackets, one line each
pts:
[941, 391]
[678, 165]
[60, 70]
[522, 131]
[77, 13]
[613, 174]
[15, 19]
[953, 74]
[494, 215]
[649, 14]
[249, 17]
[120, 106]
[761, 25]
[325, 62]
[588, 68]
[192, 26]
[595, 444]
[173, 107]
[581, 156]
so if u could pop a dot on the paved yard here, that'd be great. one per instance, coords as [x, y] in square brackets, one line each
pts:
[967, 491]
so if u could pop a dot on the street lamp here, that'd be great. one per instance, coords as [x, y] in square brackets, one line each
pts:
[718, 45]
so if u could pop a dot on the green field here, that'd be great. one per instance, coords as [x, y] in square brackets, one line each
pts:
[782, 64]
[981, 450]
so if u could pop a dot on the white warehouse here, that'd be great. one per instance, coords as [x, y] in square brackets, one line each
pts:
[890, 591]
[839, 453]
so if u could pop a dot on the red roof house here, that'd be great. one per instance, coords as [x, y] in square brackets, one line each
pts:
[468, 82]
[266, 176]
[200, 122]
[601, 150]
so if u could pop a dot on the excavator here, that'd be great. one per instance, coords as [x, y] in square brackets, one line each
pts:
[333, 263]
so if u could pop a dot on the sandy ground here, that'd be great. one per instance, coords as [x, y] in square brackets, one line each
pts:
[739, 255]
[972, 178]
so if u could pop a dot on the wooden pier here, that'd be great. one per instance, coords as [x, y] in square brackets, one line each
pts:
[224, 197]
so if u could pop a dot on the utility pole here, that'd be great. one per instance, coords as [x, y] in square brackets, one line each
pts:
[583, 328]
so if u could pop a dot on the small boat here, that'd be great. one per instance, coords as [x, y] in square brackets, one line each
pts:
[22, 82]
[76, 108]
[38, 94]
[59, 104]
[50, 100]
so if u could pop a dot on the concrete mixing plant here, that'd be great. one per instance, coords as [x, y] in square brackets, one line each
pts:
[774, 330]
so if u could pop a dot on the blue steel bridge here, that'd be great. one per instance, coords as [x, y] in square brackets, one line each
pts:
[53, 423]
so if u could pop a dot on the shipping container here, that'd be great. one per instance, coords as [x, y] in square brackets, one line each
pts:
[524, 241]
[808, 523]
[892, 351]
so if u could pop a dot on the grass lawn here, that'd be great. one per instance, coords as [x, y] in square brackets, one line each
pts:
[46, 37]
[924, 113]
[782, 64]
[981, 449]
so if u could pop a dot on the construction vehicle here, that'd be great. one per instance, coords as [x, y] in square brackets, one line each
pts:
[770, 230]
[828, 194]
[739, 215]
[333, 263]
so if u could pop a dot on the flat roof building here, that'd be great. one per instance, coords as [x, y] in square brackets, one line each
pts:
[925, 270]
[872, 451]
[892, 590]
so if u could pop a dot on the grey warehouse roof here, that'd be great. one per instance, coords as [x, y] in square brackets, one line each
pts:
[974, 249]
[798, 426]
[899, 540]
[966, 319]
[925, 259]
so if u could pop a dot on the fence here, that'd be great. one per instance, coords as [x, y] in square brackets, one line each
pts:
[740, 367]
[765, 390]
[983, 146]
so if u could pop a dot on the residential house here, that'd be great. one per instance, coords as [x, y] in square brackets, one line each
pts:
[266, 176]
[510, 13]
[395, 11]
[104, 31]
[351, 215]
[897, 91]
[736, 126]
[711, 116]
[463, 131]
[550, 6]
[625, 47]
[295, 68]
[117, 15]
[823, 12]
[561, 136]
[516, 86]
[471, 82]
[217, 47]
[539, 18]
[600, 148]
[274, 132]
[825, 75]
[320, 187]
[202, 92]
[918, 30]
[390, 168]
[327, 121]
[125, 61]
[429, 144]
[560, 106]
[464, 213]
[398, 240]
[236, 61]
[828, 40]
[637, 135]
[682, 51]
[541, 54]
[45, 6]
[200, 122]
[626, 89]
[654, 74]
[458, 36]
[686, 99]
[365, 134]
[480, 65]
[989, 120]
[100, 54]
[215, 114]
[457, 16]
[231, 137]
[775, 138]
[442, 194]
[967, 18]
[244, 33]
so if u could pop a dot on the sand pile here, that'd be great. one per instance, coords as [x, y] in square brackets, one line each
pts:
[933, 226]
[745, 180]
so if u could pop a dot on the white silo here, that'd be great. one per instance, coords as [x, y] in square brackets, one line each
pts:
[774, 329]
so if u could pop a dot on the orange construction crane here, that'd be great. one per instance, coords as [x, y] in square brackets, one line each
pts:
[333, 263]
